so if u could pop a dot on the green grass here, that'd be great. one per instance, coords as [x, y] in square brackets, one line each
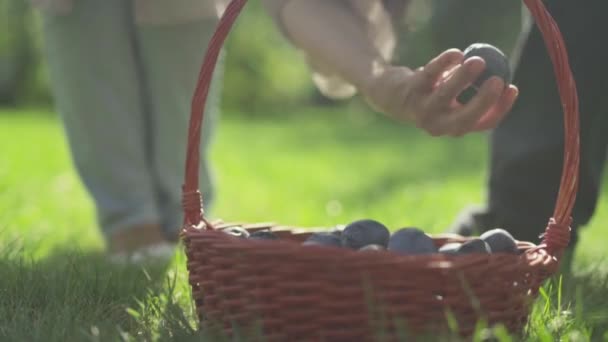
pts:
[309, 169]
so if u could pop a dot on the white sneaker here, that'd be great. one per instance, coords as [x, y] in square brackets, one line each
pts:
[158, 252]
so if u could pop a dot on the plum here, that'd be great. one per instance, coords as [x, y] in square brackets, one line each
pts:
[500, 241]
[372, 248]
[450, 248]
[263, 235]
[497, 64]
[474, 246]
[411, 241]
[361, 233]
[323, 239]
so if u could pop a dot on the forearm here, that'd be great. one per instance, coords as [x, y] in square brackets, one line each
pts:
[331, 35]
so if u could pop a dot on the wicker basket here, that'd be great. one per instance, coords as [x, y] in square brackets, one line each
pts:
[296, 293]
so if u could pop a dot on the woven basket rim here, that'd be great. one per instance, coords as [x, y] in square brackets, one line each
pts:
[530, 255]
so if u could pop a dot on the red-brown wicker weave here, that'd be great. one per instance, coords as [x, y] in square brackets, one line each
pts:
[313, 293]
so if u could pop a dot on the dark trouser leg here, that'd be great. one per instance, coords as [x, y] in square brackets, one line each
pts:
[527, 148]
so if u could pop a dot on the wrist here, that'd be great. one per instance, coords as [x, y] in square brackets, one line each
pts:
[387, 90]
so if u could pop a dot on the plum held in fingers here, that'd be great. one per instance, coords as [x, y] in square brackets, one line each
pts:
[361, 233]
[411, 241]
[496, 64]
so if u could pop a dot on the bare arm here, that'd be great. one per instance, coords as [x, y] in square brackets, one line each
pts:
[332, 36]
[335, 34]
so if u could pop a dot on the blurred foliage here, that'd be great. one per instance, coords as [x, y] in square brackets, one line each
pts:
[262, 70]
[19, 64]
[264, 74]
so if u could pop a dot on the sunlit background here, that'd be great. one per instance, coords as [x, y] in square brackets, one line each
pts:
[282, 152]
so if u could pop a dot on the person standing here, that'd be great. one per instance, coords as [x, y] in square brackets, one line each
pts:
[122, 74]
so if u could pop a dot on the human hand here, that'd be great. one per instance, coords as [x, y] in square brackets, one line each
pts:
[427, 96]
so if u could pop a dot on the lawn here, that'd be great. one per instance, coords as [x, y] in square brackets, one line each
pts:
[308, 169]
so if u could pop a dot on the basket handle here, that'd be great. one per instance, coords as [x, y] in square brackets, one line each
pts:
[192, 201]
[557, 234]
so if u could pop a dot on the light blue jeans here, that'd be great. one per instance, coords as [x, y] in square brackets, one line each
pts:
[123, 92]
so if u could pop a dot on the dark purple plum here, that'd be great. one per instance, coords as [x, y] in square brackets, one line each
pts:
[323, 239]
[500, 241]
[361, 233]
[411, 241]
[450, 248]
[497, 64]
[474, 246]
[372, 248]
[263, 235]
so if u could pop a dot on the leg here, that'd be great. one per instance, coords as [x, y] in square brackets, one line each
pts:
[527, 148]
[98, 94]
[172, 57]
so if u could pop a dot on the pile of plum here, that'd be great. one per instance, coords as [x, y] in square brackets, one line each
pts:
[370, 235]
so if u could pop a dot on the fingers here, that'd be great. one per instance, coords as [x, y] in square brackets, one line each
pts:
[427, 97]
[460, 121]
[427, 76]
[465, 74]
[485, 111]
[495, 116]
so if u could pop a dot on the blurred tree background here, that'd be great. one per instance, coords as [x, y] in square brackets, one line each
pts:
[264, 74]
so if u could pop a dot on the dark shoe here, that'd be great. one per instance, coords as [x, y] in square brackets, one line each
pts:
[565, 266]
[473, 221]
